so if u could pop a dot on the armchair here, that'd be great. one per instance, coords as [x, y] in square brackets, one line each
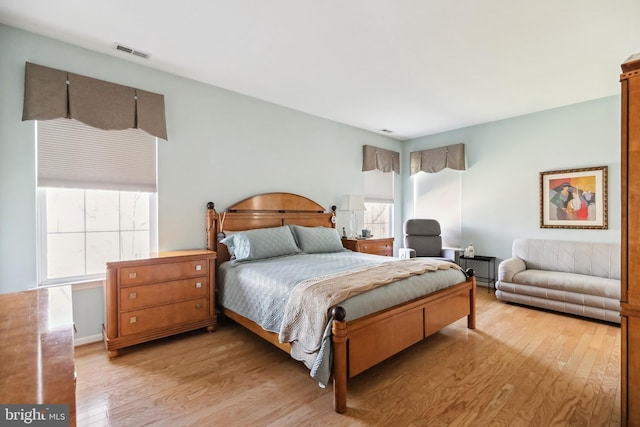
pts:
[422, 239]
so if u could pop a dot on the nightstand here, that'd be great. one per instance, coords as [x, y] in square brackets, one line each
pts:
[382, 246]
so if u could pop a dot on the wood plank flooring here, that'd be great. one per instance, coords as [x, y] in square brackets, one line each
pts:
[520, 367]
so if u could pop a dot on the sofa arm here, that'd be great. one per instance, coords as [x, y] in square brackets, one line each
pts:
[509, 268]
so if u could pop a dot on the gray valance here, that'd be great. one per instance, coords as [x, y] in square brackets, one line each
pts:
[381, 159]
[436, 159]
[52, 94]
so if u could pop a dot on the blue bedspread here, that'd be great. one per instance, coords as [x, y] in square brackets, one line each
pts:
[259, 290]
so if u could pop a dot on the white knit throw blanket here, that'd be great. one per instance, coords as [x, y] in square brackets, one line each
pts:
[307, 311]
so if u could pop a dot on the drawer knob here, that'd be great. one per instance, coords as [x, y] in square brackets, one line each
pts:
[133, 295]
[198, 267]
[132, 275]
[133, 319]
[198, 284]
[198, 306]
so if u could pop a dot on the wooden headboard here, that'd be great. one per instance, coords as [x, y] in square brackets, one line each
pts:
[263, 211]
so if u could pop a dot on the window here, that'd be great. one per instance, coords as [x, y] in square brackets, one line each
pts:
[83, 229]
[379, 218]
[90, 209]
[378, 201]
[438, 196]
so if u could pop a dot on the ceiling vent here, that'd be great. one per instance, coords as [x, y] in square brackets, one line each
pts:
[131, 51]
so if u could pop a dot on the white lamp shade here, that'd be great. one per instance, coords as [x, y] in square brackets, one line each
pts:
[352, 203]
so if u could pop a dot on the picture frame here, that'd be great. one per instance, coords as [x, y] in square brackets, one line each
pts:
[574, 198]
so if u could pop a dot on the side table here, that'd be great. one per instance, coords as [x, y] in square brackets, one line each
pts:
[490, 278]
[375, 246]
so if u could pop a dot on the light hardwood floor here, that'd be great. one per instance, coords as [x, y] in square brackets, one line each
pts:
[520, 367]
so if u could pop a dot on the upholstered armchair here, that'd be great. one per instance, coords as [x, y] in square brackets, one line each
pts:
[422, 239]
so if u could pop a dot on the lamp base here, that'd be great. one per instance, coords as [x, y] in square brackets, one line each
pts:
[353, 225]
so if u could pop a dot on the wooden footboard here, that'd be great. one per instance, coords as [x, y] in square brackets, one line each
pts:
[365, 342]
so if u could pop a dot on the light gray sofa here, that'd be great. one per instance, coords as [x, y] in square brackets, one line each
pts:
[572, 277]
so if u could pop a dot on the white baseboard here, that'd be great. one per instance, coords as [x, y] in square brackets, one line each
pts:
[87, 340]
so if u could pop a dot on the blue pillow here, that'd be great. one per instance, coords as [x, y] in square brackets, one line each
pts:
[261, 243]
[315, 240]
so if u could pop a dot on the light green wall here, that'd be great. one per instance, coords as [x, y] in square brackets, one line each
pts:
[500, 188]
[222, 147]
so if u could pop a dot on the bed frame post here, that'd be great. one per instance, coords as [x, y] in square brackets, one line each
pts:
[211, 226]
[471, 319]
[339, 332]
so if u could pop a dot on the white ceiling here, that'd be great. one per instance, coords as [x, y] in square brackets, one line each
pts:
[415, 67]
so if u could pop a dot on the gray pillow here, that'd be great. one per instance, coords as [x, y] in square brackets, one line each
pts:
[261, 243]
[314, 240]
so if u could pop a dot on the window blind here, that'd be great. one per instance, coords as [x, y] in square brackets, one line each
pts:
[378, 186]
[73, 155]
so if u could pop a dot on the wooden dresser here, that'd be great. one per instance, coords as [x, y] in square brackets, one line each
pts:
[383, 246]
[163, 295]
[36, 330]
[630, 242]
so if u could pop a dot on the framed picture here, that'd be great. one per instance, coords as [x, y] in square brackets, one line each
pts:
[574, 198]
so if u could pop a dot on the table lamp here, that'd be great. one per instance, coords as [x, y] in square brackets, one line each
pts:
[352, 204]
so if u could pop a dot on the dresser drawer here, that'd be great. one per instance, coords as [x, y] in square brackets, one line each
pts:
[163, 272]
[381, 246]
[133, 297]
[148, 319]
[377, 248]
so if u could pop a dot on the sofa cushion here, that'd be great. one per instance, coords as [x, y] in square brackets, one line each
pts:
[569, 282]
[593, 259]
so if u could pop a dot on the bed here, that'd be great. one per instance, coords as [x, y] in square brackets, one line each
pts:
[354, 330]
